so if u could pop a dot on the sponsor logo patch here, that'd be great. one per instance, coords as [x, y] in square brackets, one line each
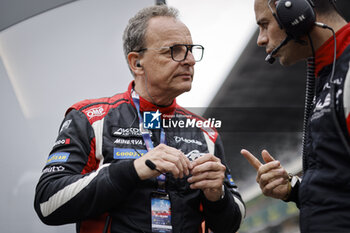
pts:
[65, 125]
[322, 106]
[122, 141]
[122, 153]
[61, 142]
[186, 140]
[127, 132]
[193, 155]
[59, 157]
[94, 112]
[229, 177]
[53, 169]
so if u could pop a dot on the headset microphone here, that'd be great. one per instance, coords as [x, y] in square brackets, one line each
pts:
[296, 17]
[269, 58]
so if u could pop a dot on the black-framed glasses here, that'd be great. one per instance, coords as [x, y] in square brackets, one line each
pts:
[179, 51]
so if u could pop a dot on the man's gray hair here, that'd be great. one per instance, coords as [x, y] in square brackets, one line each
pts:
[135, 31]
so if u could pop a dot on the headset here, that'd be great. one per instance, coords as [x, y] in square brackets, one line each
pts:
[297, 18]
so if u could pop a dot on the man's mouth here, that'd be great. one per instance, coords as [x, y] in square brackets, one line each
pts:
[189, 75]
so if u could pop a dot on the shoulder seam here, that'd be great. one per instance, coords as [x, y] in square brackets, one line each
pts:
[98, 103]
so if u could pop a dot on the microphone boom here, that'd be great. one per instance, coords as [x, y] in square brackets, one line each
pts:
[269, 58]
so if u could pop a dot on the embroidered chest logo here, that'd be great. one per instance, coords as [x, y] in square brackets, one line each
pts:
[94, 112]
[323, 104]
[193, 155]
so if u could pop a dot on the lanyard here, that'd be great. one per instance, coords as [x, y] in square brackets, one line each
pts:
[146, 134]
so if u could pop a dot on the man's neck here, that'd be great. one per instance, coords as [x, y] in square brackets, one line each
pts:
[321, 34]
[158, 99]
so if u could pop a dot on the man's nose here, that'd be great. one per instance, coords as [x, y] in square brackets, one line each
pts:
[190, 59]
[262, 40]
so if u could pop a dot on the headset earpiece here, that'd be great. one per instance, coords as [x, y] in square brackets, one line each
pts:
[296, 17]
[138, 64]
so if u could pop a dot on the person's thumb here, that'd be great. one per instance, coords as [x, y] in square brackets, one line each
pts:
[266, 156]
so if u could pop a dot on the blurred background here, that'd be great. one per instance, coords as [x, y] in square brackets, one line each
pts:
[54, 53]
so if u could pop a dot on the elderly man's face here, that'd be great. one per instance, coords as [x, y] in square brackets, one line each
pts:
[270, 35]
[163, 73]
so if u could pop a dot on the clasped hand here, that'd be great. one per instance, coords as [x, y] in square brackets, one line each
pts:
[207, 171]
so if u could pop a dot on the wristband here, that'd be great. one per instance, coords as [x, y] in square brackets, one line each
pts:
[289, 187]
[293, 188]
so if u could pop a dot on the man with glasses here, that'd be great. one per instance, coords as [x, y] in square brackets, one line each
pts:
[117, 175]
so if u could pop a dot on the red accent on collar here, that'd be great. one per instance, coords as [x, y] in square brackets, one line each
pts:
[147, 106]
[324, 55]
[348, 122]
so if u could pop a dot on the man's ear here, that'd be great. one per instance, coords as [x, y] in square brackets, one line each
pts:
[134, 60]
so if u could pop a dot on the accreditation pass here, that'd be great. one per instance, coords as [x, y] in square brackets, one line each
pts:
[161, 214]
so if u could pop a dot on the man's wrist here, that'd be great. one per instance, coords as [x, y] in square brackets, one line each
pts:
[293, 188]
[289, 190]
[215, 195]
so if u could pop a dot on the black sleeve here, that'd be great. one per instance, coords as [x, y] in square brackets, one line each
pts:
[73, 185]
[224, 215]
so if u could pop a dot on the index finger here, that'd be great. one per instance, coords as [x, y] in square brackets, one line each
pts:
[251, 159]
